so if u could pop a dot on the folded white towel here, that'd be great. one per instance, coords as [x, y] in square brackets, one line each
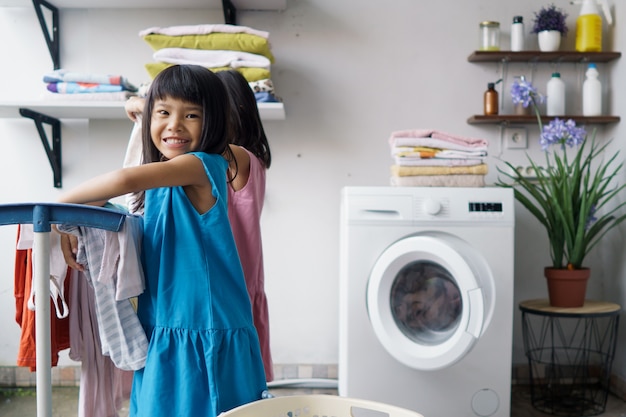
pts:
[430, 142]
[202, 30]
[211, 58]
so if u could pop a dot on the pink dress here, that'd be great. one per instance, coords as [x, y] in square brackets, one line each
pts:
[244, 212]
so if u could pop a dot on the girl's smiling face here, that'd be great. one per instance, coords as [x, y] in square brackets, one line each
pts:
[176, 126]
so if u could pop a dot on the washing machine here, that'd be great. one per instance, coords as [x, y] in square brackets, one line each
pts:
[426, 298]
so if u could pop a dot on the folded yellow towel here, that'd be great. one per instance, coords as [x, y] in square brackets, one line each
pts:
[404, 171]
[461, 180]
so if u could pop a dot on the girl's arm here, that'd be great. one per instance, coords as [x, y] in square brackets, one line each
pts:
[184, 170]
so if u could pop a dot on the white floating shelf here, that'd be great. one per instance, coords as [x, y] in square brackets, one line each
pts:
[153, 4]
[102, 109]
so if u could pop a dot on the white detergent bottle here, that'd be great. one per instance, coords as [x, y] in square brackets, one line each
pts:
[556, 96]
[589, 25]
[592, 92]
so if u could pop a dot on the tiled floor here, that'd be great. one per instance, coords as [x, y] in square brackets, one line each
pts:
[22, 402]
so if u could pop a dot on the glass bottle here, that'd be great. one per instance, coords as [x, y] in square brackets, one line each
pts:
[490, 105]
[489, 36]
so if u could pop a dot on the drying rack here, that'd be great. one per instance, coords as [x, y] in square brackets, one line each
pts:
[41, 216]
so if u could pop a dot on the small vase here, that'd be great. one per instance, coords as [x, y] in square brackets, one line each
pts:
[567, 288]
[520, 110]
[549, 40]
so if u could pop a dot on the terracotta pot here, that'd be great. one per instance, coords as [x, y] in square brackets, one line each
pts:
[567, 288]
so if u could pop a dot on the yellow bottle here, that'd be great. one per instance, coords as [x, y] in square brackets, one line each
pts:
[589, 26]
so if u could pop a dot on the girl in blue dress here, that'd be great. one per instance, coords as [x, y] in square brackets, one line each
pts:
[204, 356]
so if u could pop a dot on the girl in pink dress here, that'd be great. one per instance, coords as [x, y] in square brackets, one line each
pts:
[245, 200]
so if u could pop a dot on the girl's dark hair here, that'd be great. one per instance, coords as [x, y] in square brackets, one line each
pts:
[245, 118]
[196, 85]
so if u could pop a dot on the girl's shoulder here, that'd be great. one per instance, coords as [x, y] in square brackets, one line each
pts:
[209, 157]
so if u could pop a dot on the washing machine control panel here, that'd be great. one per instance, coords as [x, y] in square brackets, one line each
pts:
[485, 207]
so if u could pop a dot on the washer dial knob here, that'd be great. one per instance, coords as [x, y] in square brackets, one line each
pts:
[432, 207]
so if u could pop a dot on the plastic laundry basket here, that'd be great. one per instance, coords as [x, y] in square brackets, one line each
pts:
[318, 406]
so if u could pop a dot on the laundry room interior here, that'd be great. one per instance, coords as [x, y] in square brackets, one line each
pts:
[349, 74]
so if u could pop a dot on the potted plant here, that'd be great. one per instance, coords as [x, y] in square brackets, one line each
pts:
[570, 195]
[549, 25]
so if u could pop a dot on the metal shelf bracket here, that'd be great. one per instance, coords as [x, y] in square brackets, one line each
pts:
[230, 12]
[52, 37]
[53, 153]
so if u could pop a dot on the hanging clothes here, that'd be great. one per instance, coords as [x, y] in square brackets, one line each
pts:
[25, 316]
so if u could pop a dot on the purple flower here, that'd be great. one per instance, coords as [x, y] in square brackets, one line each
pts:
[562, 133]
[550, 18]
[523, 92]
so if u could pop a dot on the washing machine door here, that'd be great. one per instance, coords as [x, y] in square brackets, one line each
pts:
[426, 299]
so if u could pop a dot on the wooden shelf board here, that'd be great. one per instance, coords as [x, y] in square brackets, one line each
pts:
[538, 56]
[530, 119]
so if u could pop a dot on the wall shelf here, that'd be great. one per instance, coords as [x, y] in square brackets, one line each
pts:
[506, 57]
[50, 112]
[154, 4]
[102, 109]
[529, 119]
[539, 56]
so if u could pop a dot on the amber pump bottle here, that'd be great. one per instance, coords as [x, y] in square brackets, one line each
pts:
[491, 100]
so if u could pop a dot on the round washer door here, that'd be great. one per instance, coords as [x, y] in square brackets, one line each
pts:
[424, 300]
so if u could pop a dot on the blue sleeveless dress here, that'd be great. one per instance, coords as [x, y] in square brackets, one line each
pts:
[204, 356]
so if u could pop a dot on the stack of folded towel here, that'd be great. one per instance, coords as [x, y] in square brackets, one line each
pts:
[216, 47]
[88, 85]
[431, 158]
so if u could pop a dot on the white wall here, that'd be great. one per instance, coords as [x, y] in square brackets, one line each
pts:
[350, 73]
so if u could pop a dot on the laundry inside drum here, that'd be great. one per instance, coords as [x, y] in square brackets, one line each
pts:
[426, 302]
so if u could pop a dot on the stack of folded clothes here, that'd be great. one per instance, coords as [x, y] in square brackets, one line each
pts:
[216, 47]
[88, 85]
[432, 158]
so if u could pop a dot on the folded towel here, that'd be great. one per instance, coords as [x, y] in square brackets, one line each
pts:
[437, 143]
[61, 75]
[78, 88]
[265, 85]
[202, 30]
[423, 152]
[211, 58]
[404, 171]
[437, 162]
[213, 41]
[250, 74]
[439, 181]
[120, 96]
[436, 139]
[265, 97]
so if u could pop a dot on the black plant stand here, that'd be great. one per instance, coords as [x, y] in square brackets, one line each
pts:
[570, 353]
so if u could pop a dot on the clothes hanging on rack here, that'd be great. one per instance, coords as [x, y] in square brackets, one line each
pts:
[25, 316]
[103, 387]
[113, 269]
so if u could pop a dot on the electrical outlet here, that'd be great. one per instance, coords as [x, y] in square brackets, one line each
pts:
[527, 171]
[515, 138]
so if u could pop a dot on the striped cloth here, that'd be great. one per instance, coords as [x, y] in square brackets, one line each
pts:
[113, 268]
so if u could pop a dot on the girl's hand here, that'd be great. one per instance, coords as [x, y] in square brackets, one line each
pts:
[134, 107]
[69, 247]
